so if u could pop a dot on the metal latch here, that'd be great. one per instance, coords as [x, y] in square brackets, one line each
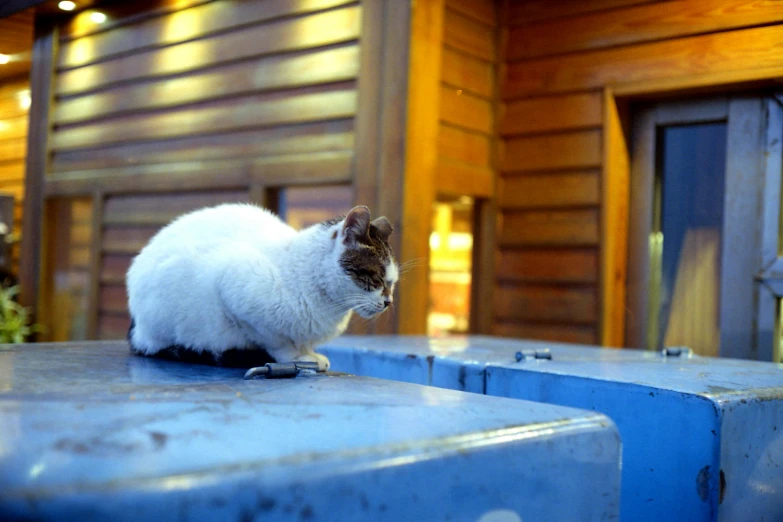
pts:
[677, 351]
[281, 370]
[533, 354]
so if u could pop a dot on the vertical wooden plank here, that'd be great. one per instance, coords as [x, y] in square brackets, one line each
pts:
[639, 229]
[482, 289]
[368, 112]
[398, 42]
[486, 212]
[614, 224]
[259, 194]
[41, 75]
[740, 243]
[96, 258]
[49, 253]
[421, 155]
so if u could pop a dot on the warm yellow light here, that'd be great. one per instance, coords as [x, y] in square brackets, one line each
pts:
[97, 17]
[24, 100]
[4, 58]
[67, 5]
[434, 241]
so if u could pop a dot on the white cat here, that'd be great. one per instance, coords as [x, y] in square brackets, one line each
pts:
[236, 277]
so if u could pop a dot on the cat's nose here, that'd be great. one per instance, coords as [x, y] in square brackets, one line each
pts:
[387, 303]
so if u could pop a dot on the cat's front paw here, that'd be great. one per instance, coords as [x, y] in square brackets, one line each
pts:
[323, 362]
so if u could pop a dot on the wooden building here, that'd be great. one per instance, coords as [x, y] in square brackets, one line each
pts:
[520, 147]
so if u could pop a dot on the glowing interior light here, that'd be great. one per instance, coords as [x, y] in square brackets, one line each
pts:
[435, 241]
[24, 100]
[4, 58]
[67, 5]
[97, 17]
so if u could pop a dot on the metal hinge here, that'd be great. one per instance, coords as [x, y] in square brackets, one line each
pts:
[677, 351]
[282, 370]
[533, 354]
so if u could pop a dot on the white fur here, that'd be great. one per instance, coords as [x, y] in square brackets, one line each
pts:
[235, 275]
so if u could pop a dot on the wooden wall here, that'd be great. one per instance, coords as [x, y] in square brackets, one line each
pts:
[570, 68]
[16, 40]
[175, 105]
[465, 164]
[14, 105]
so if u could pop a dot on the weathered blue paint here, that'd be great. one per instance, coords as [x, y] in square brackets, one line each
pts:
[89, 432]
[683, 420]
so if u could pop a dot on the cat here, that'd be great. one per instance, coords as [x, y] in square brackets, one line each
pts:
[234, 283]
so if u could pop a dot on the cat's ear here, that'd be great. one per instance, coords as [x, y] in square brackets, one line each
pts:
[357, 224]
[383, 228]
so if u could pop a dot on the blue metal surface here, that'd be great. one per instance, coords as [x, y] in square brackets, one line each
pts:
[683, 420]
[89, 432]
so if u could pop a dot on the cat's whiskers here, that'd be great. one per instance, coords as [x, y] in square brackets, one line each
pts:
[346, 303]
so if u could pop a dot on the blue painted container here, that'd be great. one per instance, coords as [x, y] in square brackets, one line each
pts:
[703, 437]
[89, 432]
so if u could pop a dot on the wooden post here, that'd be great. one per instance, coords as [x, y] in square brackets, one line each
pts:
[421, 156]
[41, 91]
[396, 149]
[614, 225]
[93, 297]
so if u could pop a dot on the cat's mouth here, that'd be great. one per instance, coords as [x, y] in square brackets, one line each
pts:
[368, 312]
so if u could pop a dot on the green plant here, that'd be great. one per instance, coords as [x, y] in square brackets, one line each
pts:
[15, 324]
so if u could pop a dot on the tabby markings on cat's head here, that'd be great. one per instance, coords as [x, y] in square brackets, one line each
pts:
[368, 260]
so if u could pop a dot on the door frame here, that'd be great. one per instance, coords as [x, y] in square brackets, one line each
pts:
[745, 116]
[769, 279]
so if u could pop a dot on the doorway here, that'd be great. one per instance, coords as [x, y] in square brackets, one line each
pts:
[704, 226]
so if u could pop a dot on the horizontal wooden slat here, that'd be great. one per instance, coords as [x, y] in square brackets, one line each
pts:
[252, 111]
[114, 267]
[120, 14]
[468, 147]
[113, 298]
[546, 303]
[638, 24]
[310, 169]
[113, 326]
[294, 139]
[160, 209]
[11, 128]
[551, 113]
[565, 333]
[468, 73]
[79, 257]
[126, 240]
[722, 57]
[563, 189]
[81, 210]
[16, 190]
[534, 10]
[16, 40]
[332, 27]
[464, 110]
[12, 172]
[183, 25]
[80, 234]
[276, 72]
[550, 228]
[13, 104]
[468, 36]
[480, 10]
[13, 149]
[455, 178]
[567, 150]
[549, 265]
